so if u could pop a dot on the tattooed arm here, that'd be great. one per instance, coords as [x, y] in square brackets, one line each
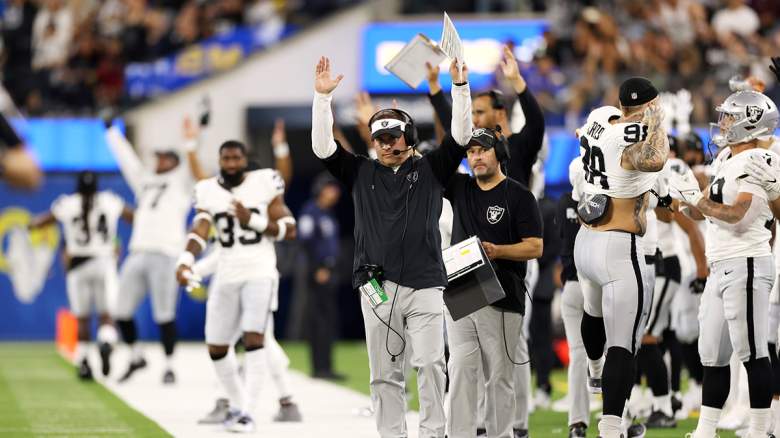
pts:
[651, 154]
[731, 214]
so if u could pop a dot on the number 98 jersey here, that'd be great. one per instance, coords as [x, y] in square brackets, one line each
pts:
[246, 253]
[601, 148]
[94, 237]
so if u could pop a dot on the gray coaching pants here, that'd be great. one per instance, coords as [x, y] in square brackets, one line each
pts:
[477, 339]
[148, 271]
[416, 316]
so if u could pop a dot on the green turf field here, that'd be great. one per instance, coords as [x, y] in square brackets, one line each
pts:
[41, 396]
[351, 360]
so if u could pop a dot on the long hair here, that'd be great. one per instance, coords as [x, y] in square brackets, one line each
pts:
[86, 187]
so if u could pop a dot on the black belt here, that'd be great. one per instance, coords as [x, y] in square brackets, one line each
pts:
[650, 260]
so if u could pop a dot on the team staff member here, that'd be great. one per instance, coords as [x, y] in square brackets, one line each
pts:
[505, 216]
[398, 201]
[489, 109]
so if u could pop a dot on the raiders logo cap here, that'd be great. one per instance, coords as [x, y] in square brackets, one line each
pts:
[393, 127]
[636, 91]
[483, 137]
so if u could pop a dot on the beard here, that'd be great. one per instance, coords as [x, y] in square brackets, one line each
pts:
[232, 179]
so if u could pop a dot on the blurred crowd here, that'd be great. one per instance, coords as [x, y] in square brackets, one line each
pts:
[69, 56]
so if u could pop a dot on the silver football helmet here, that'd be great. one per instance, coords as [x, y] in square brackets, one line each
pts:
[744, 116]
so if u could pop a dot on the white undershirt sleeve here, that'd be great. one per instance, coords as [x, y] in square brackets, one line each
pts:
[322, 142]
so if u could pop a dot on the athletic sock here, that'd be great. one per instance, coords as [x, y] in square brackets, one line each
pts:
[277, 367]
[136, 352]
[775, 427]
[255, 363]
[82, 349]
[107, 334]
[595, 367]
[663, 403]
[610, 426]
[759, 422]
[227, 373]
[708, 422]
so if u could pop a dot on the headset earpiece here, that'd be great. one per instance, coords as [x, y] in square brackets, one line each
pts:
[497, 99]
[502, 146]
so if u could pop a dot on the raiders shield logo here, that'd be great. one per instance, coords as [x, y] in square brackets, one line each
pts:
[385, 123]
[494, 214]
[753, 113]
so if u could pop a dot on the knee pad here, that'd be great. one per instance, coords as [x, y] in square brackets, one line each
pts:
[128, 331]
[715, 388]
[594, 335]
[759, 373]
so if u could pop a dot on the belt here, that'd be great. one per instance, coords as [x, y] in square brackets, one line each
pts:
[650, 260]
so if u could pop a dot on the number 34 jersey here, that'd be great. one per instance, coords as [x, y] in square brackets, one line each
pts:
[95, 236]
[723, 241]
[601, 147]
[246, 254]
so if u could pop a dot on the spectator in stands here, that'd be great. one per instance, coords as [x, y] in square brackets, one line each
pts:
[17, 24]
[51, 42]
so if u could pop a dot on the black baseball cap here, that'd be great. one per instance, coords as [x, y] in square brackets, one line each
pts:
[637, 91]
[483, 137]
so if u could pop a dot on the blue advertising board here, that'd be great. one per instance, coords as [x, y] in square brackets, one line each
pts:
[197, 61]
[482, 40]
[68, 144]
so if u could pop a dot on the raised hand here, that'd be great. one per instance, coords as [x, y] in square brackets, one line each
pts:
[189, 129]
[433, 78]
[323, 82]
[653, 116]
[762, 173]
[459, 75]
[364, 108]
[511, 70]
[278, 136]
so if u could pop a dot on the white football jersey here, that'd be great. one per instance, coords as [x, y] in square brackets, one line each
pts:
[94, 237]
[163, 200]
[723, 243]
[160, 222]
[668, 242]
[245, 253]
[601, 148]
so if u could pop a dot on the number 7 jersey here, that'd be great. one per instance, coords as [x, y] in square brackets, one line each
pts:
[245, 254]
[601, 148]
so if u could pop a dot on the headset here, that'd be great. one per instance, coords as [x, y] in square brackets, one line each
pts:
[502, 148]
[410, 130]
[496, 98]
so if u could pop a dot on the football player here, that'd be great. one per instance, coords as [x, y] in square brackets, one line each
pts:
[89, 222]
[621, 163]
[733, 316]
[163, 199]
[248, 211]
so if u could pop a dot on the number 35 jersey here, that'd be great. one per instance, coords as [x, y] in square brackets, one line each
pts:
[95, 236]
[601, 147]
[246, 254]
[724, 241]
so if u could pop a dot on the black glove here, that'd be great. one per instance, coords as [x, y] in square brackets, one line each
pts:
[697, 285]
[205, 111]
[775, 67]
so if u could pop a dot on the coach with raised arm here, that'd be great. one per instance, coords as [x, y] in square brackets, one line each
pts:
[398, 266]
[490, 110]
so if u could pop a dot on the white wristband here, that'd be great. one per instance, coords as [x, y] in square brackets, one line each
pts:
[258, 222]
[186, 259]
[197, 239]
[282, 230]
[190, 145]
[282, 150]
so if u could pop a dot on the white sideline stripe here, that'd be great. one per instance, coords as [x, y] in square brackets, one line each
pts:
[328, 410]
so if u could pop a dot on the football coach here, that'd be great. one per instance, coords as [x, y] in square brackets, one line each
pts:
[398, 265]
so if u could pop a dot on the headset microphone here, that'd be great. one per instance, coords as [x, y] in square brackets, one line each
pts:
[398, 152]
